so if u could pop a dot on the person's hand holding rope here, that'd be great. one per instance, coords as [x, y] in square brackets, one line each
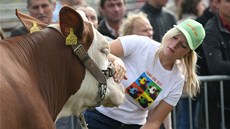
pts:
[119, 70]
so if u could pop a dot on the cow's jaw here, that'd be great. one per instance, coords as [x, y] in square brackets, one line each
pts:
[115, 94]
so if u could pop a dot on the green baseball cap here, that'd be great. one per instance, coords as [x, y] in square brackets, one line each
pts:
[193, 31]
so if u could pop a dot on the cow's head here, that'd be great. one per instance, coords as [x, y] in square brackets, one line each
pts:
[97, 48]
[98, 51]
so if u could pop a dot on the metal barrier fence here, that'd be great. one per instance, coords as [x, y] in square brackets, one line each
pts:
[205, 81]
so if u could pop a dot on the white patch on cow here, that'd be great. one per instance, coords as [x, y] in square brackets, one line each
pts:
[87, 94]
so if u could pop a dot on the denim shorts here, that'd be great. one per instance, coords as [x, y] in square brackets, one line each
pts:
[97, 120]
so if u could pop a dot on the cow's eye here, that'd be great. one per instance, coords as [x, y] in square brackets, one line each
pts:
[105, 51]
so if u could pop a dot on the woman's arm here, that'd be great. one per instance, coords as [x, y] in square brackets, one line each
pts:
[168, 122]
[157, 116]
[116, 51]
[116, 48]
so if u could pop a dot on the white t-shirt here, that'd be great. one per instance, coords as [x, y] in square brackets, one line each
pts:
[148, 82]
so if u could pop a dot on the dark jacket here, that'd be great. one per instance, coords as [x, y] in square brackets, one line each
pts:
[216, 47]
[205, 16]
[102, 28]
[160, 20]
[201, 62]
[19, 31]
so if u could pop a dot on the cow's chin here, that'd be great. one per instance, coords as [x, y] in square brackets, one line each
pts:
[115, 94]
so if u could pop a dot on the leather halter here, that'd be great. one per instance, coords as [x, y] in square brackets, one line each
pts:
[100, 75]
[91, 65]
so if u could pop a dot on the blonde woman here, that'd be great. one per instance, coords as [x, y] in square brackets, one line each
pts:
[154, 82]
[136, 24]
[90, 13]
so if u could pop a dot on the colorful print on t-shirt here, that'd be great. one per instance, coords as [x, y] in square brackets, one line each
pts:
[144, 90]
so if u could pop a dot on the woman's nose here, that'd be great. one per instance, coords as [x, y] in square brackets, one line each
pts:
[150, 33]
[175, 44]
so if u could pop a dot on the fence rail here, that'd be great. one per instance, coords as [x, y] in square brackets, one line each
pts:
[8, 19]
[205, 81]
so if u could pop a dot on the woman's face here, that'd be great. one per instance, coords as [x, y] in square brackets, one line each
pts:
[142, 27]
[176, 47]
[91, 15]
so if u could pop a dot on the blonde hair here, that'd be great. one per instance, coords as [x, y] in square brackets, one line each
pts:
[188, 63]
[126, 27]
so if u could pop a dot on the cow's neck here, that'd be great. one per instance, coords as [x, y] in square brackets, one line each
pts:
[59, 72]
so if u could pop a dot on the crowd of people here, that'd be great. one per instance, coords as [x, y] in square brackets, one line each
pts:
[164, 47]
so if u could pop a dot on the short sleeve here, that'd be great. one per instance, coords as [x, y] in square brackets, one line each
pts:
[175, 94]
[134, 43]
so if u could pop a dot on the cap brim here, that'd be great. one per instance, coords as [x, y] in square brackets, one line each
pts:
[187, 36]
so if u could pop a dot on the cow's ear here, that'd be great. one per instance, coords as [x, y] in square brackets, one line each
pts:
[29, 21]
[69, 19]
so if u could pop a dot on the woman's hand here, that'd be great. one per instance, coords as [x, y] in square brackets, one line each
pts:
[119, 70]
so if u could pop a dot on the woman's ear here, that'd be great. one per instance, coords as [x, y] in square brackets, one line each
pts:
[188, 54]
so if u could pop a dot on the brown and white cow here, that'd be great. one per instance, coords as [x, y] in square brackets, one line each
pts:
[39, 74]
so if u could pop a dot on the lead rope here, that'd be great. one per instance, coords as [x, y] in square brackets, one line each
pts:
[101, 93]
[82, 121]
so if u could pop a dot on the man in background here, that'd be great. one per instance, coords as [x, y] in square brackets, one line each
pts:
[39, 9]
[113, 11]
[216, 47]
[160, 19]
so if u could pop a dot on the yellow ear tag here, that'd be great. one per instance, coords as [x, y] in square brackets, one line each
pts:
[34, 27]
[71, 38]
